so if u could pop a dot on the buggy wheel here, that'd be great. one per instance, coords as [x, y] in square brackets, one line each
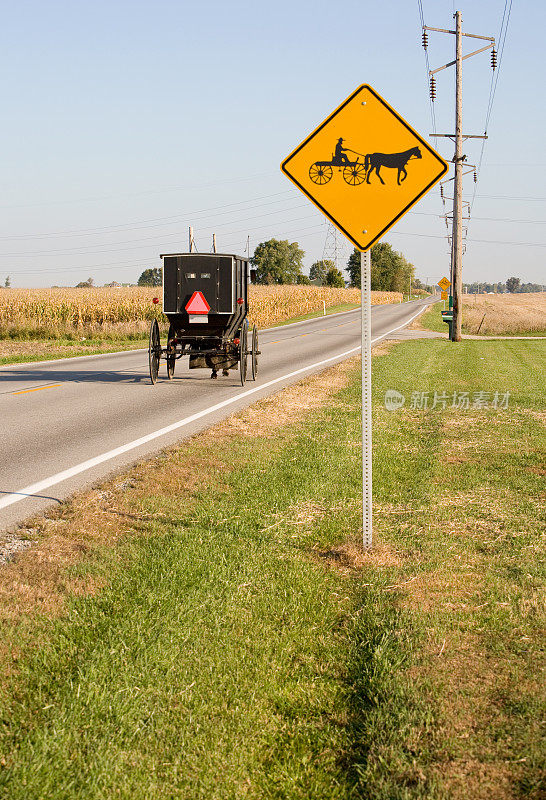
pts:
[355, 174]
[254, 353]
[243, 344]
[320, 173]
[154, 351]
[171, 356]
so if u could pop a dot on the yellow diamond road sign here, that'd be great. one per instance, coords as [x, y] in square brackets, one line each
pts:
[364, 167]
[444, 284]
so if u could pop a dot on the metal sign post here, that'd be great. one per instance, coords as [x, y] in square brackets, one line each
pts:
[364, 167]
[366, 295]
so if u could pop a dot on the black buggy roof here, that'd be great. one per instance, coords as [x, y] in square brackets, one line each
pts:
[210, 255]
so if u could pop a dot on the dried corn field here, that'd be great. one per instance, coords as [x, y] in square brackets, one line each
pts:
[494, 314]
[126, 312]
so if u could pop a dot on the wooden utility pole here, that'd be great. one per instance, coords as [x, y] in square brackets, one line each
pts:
[456, 272]
[457, 240]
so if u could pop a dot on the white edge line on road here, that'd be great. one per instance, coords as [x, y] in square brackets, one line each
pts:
[59, 477]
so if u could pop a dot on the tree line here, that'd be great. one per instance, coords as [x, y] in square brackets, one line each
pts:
[281, 262]
[278, 261]
[512, 285]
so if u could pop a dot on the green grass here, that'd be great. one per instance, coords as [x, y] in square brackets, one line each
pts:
[237, 651]
[432, 319]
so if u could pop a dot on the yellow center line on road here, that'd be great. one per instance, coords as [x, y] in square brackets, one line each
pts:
[39, 388]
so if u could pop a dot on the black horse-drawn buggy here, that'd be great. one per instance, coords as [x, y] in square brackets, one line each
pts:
[205, 299]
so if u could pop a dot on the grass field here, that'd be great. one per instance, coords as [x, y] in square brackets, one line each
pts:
[211, 629]
[496, 315]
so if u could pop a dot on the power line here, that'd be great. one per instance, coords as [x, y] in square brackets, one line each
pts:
[485, 219]
[177, 218]
[99, 199]
[427, 66]
[493, 88]
[486, 241]
[508, 197]
[82, 251]
[147, 261]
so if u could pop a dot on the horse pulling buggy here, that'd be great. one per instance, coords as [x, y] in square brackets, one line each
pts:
[205, 299]
[357, 172]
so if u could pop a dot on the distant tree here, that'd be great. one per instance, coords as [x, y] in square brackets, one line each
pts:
[353, 268]
[278, 261]
[531, 287]
[303, 280]
[334, 278]
[151, 277]
[85, 284]
[319, 270]
[7, 282]
[512, 284]
[391, 272]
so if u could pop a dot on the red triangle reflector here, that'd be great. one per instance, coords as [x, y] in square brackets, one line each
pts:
[197, 304]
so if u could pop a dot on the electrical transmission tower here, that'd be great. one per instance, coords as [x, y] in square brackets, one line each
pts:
[334, 247]
[459, 159]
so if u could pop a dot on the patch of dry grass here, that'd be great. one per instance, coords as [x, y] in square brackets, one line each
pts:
[494, 314]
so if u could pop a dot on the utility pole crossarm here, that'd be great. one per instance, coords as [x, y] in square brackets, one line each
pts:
[468, 55]
[470, 35]
[447, 180]
[465, 135]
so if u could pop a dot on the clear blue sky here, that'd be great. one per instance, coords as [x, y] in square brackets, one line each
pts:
[125, 122]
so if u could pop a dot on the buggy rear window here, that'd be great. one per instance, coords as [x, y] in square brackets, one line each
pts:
[205, 275]
[191, 275]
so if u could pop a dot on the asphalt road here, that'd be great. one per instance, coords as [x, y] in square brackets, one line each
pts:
[67, 424]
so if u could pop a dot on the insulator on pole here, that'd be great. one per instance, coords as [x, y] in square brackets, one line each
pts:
[475, 177]
[441, 191]
[493, 59]
[425, 39]
[432, 88]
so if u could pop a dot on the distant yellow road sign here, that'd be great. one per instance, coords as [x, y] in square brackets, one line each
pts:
[443, 295]
[444, 284]
[364, 167]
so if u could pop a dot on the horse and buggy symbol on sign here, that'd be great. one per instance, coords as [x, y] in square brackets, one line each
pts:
[358, 172]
